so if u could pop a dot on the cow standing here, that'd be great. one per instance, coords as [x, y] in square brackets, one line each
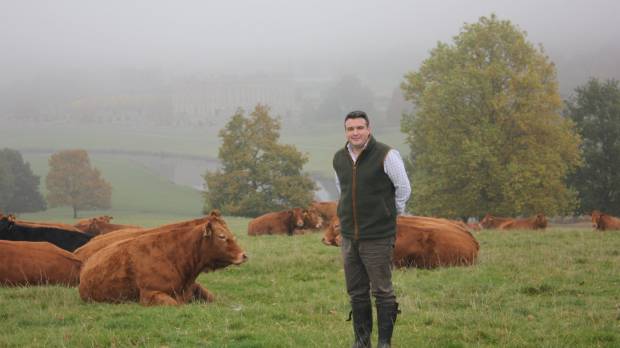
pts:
[160, 268]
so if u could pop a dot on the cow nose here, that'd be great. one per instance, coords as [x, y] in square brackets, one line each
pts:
[245, 257]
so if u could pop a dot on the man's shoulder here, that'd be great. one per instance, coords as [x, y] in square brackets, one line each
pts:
[340, 151]
[383, 148]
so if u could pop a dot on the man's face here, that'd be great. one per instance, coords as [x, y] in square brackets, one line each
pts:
[357, 132]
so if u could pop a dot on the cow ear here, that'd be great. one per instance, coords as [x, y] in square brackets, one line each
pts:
[206, 232]
[215, 213]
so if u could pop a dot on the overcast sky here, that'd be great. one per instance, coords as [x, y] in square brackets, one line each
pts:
[305, 38]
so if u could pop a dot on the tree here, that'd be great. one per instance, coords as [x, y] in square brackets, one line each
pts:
[487, 134]
[258, 175]
[72, 181]
[596, 111]
[19, 187]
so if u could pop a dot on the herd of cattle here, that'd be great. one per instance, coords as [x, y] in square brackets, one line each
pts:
[117, 263]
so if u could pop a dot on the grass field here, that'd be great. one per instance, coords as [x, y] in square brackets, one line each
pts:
[557, 288]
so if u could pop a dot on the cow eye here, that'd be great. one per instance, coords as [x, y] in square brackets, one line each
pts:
[221, 236]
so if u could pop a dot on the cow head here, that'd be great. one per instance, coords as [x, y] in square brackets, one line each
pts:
[219, 245]
[332, 236]
[297, 217]
[94, 225]
[312, 219]
[596, 219]
[487, 221]
[7, 222]
[541, 221]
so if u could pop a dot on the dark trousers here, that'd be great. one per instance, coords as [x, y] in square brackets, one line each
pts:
[368, 269]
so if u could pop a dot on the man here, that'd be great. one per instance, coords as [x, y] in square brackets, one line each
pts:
[374, 188]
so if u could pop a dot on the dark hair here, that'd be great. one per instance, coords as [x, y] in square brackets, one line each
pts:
[357, 114]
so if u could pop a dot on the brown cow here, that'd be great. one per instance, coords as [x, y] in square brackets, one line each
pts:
[160, 268]
[313, 219]
[425, 242]
[327, 209]
[98, 226]
[331, 235]
[491, 222]
[102, 241]
[99, 242]
[280, 222]
[312, 222]
[37, 263]
[84, 224]
[603, 222]
[59, 225]
[534, 223]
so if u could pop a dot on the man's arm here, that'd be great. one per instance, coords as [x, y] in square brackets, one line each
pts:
[337, 182]
[394, 167]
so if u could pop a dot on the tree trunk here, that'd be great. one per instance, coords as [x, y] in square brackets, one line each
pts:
[74, 212]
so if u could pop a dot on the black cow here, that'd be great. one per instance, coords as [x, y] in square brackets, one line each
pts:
[68, 240]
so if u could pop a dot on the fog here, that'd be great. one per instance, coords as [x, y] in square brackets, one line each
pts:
[59, 52]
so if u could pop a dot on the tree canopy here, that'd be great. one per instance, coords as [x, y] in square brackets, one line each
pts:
[19, 187]
[487, 134]
[595, 108]
[258, 174]
[72, 181]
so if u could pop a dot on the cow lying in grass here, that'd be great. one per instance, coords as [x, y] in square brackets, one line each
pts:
[424, 242]
[37, 263]
[603, 222]
[65, 239]
[279, 222]
[538, 222]
[160, 268]
[102, 241]
[491, 222]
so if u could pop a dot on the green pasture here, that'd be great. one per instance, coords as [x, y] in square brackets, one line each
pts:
[557, 288]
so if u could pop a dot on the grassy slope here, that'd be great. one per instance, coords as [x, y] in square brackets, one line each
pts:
[530, 289]
[137, 194]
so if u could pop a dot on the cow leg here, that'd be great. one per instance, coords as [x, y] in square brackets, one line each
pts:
[154, 298]
[196, 292]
